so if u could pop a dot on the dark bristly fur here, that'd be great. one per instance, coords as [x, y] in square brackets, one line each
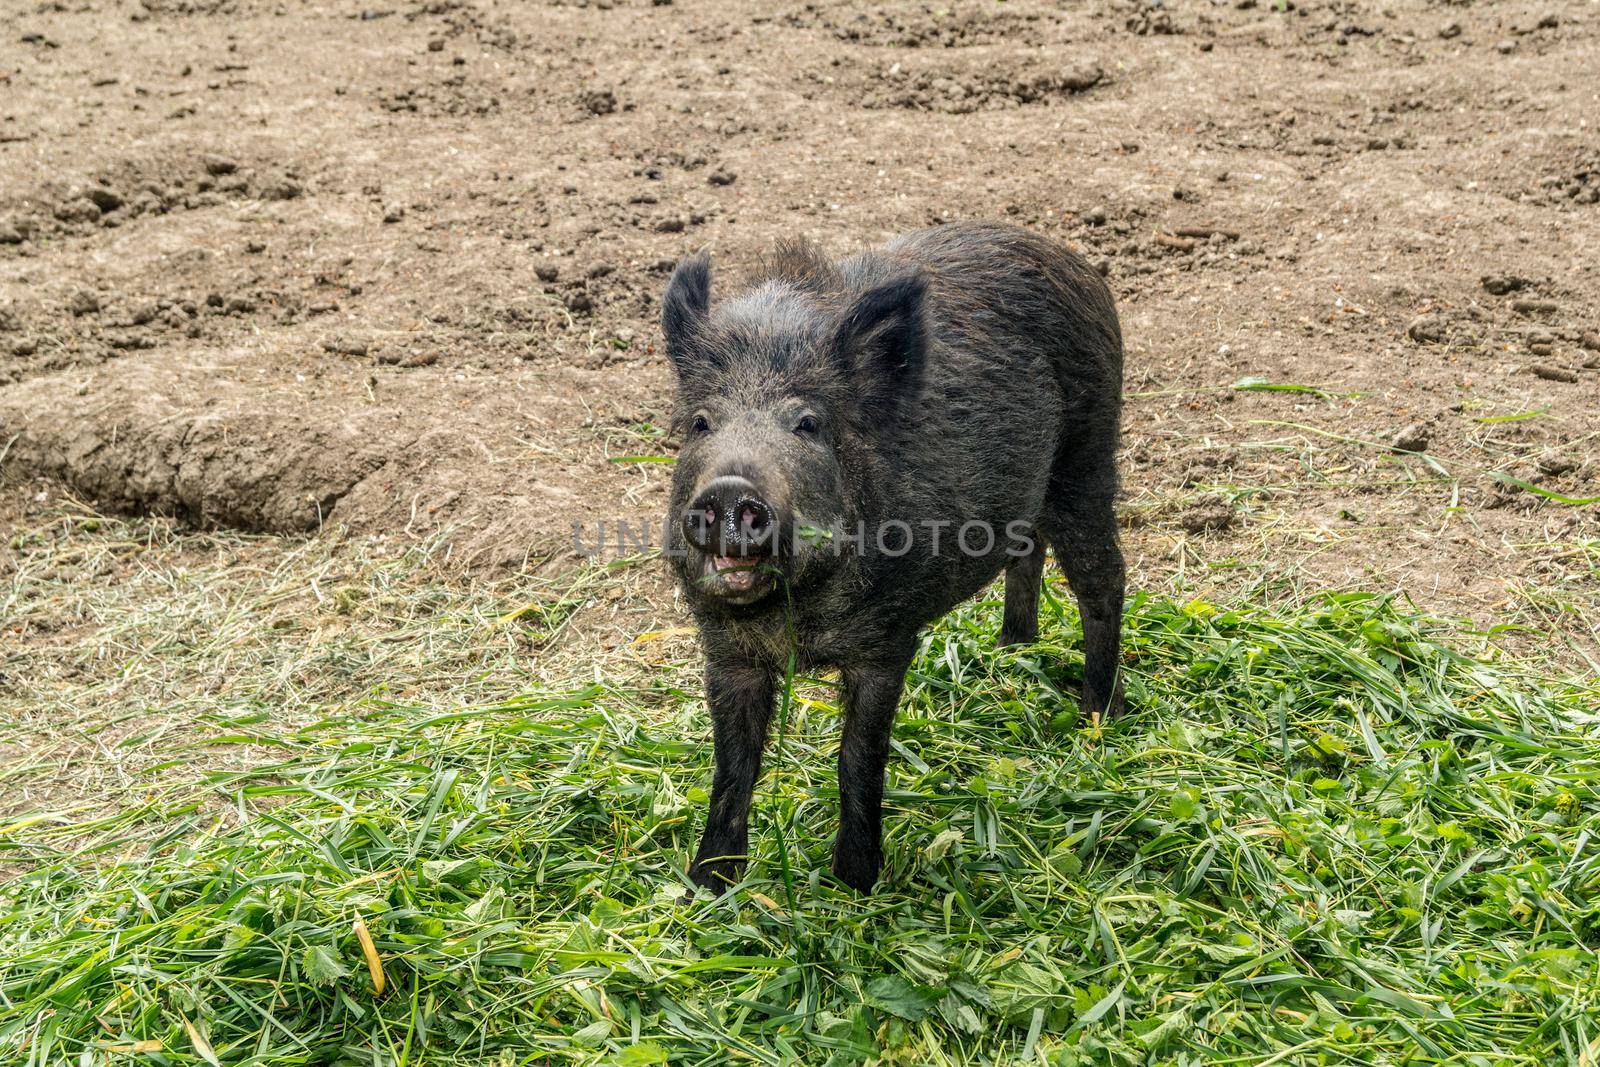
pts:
[967, 372]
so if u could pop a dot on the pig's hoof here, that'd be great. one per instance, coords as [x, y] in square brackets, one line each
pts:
[1105, 710]
[1020, 636]
[716, 875]
[856, 870]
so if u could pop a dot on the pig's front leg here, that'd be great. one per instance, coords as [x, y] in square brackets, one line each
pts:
[871, 694]
[740, 697]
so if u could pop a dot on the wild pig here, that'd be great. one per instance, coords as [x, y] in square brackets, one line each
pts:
[849, 431]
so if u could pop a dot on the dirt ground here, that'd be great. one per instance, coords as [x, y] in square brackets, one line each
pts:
[393, 269]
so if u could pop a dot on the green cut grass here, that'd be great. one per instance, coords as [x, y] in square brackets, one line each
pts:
[1322, 836]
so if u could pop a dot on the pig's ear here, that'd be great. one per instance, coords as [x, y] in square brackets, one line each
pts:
[882, 340]
[684, 310]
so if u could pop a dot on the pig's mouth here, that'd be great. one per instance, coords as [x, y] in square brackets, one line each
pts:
[737, 579]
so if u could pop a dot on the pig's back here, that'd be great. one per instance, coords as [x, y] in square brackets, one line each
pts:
[1024, 364]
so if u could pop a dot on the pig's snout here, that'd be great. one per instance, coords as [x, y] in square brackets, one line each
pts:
[730, 518]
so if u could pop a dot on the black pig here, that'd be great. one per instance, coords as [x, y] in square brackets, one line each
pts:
[850, 429]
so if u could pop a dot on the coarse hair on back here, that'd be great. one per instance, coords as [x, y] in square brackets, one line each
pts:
[799, 262]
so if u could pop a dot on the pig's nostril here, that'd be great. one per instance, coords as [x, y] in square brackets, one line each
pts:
[730, 518]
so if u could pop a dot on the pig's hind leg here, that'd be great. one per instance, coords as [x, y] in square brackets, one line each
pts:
[1081, 523]
[1024, 574]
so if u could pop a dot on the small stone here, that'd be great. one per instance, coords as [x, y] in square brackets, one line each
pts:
[579, 301]
[1450, 30]
[1506, 47]
[1552, 373]
[671, 224]
[420, 359]
[83, 302]
[216, 166]
[436, 44]
[1413, 438]
[254, 247]
[24, 346]
[394, 213]
[9, 234]
[1590, 340]
[1095, 216]
[239, 305]
[547, 272]
[1535, 307]
[721, 177]
[143, 313]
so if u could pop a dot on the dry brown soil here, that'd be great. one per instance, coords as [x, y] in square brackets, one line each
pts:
[395, 267]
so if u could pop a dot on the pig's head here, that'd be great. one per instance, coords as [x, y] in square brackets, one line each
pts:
[785, 393]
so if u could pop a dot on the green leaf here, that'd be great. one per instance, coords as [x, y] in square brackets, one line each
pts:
[895, 995]
[321, 967]
[641, 1055]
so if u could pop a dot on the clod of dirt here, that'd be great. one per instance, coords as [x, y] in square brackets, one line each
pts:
[1413, 438]
[547, 272]
[9, 234]
[216, 165]
[1535, 307]
[83, 302]
[103, 198]
[345, 345]
[959, 88]
[721, 177]
[579, 301]
[1551, 373]
[671, 224]
[81, 209]
[279, 187]
[1501, 284]
[1555, 464]
[1428, 329]
[394, 213]
[598, 101]
[436, 44]
[1209, 514]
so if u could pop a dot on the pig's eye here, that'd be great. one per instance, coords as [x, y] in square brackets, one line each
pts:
[807, 425]
[700, 424]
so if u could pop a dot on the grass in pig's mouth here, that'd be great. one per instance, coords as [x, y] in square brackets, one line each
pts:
[739, 579]
[1322, 834]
